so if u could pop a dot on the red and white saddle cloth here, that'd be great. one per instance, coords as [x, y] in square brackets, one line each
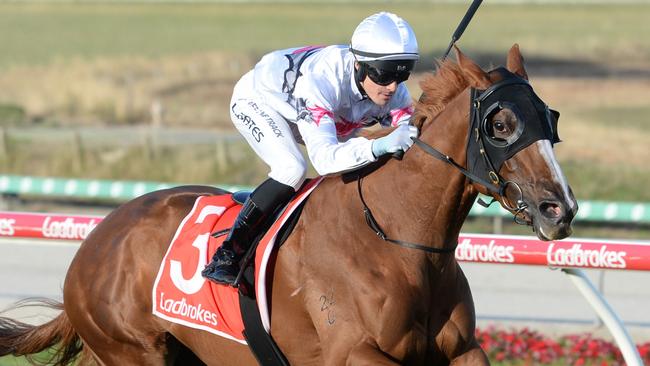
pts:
[181, 295]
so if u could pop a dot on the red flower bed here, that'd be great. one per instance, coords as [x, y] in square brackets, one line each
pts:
[533, 348]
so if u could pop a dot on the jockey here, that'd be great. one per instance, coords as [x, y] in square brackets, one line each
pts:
[320, 97]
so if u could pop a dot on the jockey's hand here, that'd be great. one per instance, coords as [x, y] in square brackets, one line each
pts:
[398, 140]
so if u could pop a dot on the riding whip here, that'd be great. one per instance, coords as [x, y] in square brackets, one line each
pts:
[463, 24]
[455, 37]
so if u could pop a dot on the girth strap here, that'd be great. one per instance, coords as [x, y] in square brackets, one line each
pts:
[264, 348]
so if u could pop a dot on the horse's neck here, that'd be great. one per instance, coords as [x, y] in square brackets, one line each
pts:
[425, 200]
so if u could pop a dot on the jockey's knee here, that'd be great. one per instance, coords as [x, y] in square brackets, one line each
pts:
[292, 174]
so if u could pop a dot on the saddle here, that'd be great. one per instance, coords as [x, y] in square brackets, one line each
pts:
[181, 295]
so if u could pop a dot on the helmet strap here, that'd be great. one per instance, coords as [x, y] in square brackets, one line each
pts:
[360, 75]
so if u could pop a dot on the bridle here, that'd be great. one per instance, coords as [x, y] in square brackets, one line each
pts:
[485, 157]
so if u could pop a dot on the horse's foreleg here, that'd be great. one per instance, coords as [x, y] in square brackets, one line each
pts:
[367, 354]
[474, 356]
[456, 339]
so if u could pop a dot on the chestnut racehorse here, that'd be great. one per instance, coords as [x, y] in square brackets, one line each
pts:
[341, 294]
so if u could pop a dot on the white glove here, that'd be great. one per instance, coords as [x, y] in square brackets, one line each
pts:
[399, 139]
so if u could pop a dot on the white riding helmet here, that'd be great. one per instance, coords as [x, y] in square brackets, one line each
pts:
[384, 36]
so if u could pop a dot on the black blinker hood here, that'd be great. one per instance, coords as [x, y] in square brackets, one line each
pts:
[537, 122]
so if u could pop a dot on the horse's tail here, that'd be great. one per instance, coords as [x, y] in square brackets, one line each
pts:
[58, 336]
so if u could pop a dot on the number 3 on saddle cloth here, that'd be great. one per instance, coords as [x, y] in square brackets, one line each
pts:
[181, 295]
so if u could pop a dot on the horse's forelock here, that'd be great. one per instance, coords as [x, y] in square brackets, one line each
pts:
[438, 89]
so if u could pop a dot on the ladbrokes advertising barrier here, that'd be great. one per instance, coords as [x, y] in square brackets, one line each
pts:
[571, 252]
[46, 226]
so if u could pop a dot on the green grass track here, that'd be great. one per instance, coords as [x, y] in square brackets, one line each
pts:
[37, 33]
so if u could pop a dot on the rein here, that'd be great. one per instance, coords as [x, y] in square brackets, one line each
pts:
[498, 187]
[372, 223]
[494, 183]
[370, 219]
[447, 159]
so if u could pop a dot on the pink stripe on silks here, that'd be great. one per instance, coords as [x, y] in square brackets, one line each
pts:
[398, 114]
[306, 49]
[319, 112]
[345, 127]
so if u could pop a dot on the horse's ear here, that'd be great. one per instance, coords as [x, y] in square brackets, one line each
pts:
[477, 78]
[515, 62]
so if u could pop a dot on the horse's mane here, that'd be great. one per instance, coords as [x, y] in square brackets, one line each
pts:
[438, 89]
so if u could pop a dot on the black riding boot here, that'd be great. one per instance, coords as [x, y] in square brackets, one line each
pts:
[225, 263]
[252, 218]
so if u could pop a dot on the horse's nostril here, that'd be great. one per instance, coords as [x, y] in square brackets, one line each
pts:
[550, 210]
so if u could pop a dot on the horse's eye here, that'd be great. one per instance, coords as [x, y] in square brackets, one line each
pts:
[503, 127]
[499, 126]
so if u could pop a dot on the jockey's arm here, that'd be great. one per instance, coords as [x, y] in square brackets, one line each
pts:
[319, 96]
[327, 154]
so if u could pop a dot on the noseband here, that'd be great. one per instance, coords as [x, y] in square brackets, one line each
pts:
[486, 155]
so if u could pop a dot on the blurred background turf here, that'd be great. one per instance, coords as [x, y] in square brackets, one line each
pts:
[39, 33]
[147, 67]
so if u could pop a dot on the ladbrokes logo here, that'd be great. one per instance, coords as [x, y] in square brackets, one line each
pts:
[67, 229]
[181, 307]
[468, 251]
[577, 256]
[7, 227]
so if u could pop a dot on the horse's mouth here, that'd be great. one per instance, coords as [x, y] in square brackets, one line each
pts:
[524, 217]
[520, 211]
[548, 220]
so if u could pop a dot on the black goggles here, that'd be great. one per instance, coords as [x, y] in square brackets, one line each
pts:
[387, 72]
[384, 78]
